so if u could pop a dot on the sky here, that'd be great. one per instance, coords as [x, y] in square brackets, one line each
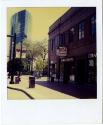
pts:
[41, 19]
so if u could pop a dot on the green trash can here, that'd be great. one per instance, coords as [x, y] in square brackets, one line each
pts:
[31, 82]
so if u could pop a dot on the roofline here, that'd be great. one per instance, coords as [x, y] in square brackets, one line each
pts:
[63, 18]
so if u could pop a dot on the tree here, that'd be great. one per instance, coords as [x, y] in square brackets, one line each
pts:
[15, 66]
[37, 49]
[39, 64]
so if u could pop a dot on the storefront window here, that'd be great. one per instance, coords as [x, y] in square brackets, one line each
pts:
[92, 70]
[61, 71]
[72, 78]
[91, 62]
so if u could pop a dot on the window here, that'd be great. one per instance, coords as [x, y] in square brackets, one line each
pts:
[71, 34]
[57, 41]
[81, 30]
[93, 26]
[62, 39]
[72, 30]
[52, 44]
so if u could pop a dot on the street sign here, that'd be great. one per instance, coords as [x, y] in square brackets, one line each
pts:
[20, 51]
[18, 24]
[61, 51]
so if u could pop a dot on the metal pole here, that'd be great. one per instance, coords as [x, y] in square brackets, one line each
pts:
[10, 46]
[21, 51]
[13, 59]
[20, 57]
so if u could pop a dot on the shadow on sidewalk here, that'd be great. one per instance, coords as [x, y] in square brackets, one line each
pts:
[82, 91]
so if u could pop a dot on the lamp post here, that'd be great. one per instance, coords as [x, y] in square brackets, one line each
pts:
[12, 55]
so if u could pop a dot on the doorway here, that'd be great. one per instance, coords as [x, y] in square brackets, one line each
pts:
[81, 71]
[69, 72]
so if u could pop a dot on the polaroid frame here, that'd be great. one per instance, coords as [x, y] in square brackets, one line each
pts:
[52, 112]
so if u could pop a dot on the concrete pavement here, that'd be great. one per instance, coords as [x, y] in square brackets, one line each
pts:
[39, 92]
[14, 94]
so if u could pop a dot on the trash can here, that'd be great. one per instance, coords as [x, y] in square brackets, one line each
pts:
[31, 82]
[17, 80]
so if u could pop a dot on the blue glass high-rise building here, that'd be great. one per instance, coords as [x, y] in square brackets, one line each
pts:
[19, 23]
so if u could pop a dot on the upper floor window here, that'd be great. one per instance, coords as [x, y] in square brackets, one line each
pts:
[62, 39]
[81, 30]
[57, 41]
[52, 44]
[93, 26]
[71, 34]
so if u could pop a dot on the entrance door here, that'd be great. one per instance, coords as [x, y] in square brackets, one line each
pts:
[81, 71]
[66, 72]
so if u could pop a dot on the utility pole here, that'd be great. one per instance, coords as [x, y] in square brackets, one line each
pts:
[12, 47]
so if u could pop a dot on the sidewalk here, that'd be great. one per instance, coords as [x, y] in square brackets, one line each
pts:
[14, 94]
[78, 90]
[39, 92]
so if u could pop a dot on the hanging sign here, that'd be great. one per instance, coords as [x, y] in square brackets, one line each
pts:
[61, 51]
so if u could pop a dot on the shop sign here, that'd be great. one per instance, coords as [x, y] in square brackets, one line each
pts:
[61, 51]
[91, 55]
[19, 51]
[67, 60]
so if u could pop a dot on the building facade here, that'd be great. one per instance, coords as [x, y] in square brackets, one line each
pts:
[72, 46]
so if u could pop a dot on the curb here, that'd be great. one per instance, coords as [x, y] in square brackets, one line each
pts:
[21, 91]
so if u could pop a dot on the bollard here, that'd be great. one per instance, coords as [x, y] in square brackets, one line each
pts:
[31, 82]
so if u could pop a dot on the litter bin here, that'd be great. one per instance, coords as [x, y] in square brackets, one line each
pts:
[17, 80]
[31, 82]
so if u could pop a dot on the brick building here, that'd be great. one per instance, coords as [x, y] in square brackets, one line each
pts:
[72, 46]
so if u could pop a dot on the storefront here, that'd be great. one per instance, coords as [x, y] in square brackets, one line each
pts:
[80, 69]
[67, 70]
